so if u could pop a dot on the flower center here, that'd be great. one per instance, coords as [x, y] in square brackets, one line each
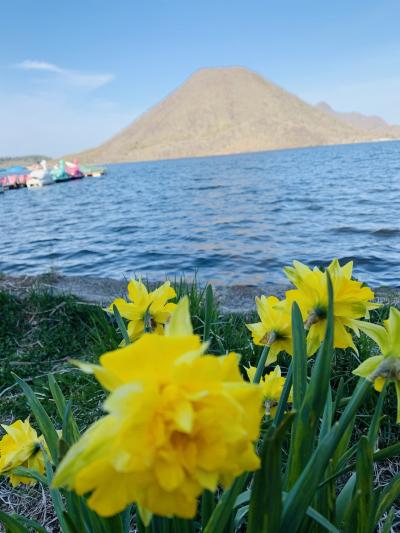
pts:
[318, 313]
[270, 337]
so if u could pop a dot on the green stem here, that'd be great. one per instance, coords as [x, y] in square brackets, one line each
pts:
[261, 364]
[301, 494]
[207, 506]
[222, 511]
[283, 400]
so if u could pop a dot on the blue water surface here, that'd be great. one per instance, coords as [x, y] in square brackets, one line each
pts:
[235, 219]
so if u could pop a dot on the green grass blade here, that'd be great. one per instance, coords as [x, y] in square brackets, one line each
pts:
[386, 453]
[387, 526]
[179, 525]
[12, 523]
[324, 502]
[32, 524]
[30, 473]
[266, 505]
[57, 394]
[261, 364]
[321, 520]
[283, 400]
[42, 418]
[326, 422]
[344, 499]
[381, 455]
[55, 496]
[69, 424]
[338, 395]
[121, 325]
[308, 416]
[299, 358]
[207, 506]
[388, 496]
[208, 312]
[224, 507]
[70, 432]
[364, 479]
[301, 494]
[376, 419]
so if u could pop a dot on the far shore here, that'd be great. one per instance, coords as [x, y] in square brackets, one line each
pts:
[102, 291]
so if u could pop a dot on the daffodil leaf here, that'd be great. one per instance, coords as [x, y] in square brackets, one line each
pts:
[344, 499]
[13, 524]
[225, 505]
[42, 418]
[376, 419]
[387, 497]
[266, 506]
[299, 358]
[65, 413]
[121, 325]
[30, 473]
[283, 400]
[387, 526]
[364, 479]
[301, 494]
[312, 407]
[321, 520]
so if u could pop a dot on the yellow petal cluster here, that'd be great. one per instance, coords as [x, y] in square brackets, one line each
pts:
[274, 327]
[351, 301]
[384, 367]
[146, 310]
[20, 446]
[272, 386]
[178, 422]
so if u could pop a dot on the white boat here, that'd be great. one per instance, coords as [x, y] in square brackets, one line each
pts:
[39, 177]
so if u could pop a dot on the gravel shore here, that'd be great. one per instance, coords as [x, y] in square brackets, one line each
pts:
[232, 298]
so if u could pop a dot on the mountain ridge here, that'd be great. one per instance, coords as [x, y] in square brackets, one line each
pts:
[227, 110]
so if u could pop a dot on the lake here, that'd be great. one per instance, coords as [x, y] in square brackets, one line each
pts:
[234, 219]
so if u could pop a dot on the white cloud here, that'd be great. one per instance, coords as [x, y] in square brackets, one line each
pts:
[73, 77]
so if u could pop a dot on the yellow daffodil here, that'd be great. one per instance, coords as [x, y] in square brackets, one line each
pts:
[178, 422]
[274, 328]
[351, 300]
[147, 311]
[272, 385]
[384, 367]
[20, 446]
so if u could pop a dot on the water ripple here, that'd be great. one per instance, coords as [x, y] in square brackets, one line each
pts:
[236, 219]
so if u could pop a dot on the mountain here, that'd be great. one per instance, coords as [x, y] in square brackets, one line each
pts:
[370, 123]
[225, 111]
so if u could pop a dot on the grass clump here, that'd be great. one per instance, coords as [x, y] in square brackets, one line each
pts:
[38, 334]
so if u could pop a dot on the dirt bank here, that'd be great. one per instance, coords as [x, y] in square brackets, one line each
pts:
[233, 298]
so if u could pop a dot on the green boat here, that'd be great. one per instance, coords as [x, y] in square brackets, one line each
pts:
[59, 173]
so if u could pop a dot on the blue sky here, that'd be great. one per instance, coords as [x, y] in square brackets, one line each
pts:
[73, 73]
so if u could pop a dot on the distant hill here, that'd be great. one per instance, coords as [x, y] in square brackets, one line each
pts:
[225, 111]
[22, 160]
[371, 123]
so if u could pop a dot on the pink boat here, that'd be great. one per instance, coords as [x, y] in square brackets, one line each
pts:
[14, 181]
[73, 170]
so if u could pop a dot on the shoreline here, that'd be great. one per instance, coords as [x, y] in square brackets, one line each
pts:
[102, 290]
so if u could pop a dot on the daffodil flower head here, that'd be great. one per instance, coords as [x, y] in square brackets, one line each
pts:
[386, 366]
[21, 446]
[177, 422]
[146, 311]
[351, 301]
[274, 328]
[272, 386]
